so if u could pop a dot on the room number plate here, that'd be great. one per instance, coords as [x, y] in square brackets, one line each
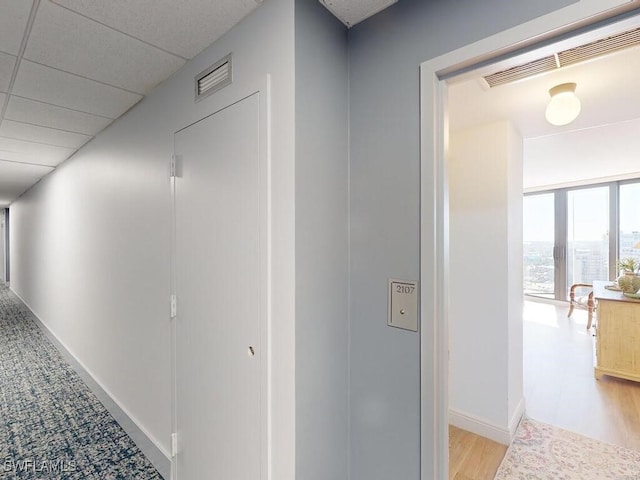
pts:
[403, 304]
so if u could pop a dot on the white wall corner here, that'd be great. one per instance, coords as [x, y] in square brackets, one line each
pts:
[484, 428]
[479, 426]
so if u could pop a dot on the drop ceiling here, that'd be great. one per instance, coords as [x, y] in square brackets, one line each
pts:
[351, 12]
[68, 68]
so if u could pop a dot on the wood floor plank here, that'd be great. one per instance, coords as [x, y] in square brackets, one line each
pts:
[560, 389]
[472, 457]
[559, 384]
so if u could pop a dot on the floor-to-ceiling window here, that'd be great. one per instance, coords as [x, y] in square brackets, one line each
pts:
[539, 244]
[574, 235]
[629, 226]
[588, 214]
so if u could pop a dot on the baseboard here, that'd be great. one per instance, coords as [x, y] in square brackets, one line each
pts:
[516, 418]
[145, 442]
[479, 426]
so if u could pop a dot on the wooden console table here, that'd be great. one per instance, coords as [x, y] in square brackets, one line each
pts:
[617, 350]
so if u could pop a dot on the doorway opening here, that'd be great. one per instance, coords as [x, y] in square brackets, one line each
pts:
[4, 245]
[565, 26]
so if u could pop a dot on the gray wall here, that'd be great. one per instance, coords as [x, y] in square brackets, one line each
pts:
[384, 57]
[321, 244]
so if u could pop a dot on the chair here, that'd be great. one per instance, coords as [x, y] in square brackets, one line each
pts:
[583, 302]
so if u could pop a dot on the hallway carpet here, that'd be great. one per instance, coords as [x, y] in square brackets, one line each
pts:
[51, 425]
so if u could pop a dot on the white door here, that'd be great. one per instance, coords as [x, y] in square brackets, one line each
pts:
[218, 286]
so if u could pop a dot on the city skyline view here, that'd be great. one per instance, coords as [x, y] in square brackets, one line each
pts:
[586, 244]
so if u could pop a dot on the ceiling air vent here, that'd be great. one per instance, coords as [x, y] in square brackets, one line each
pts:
[572, 56]
[530, 69]
[600, 47]
[217, 76]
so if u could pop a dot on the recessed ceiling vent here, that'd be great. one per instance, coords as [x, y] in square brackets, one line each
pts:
[572, 56]
[530, 69]
[217, 76]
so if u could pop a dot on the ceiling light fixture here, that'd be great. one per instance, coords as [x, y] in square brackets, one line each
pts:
[564, 106]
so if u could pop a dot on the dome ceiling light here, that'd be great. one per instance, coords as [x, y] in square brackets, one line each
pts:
[564, 106]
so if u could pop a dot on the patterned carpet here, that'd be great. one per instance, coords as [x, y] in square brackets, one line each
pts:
[544, 452]
[51, 425]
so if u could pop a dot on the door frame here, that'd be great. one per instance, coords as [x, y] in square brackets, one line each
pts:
[434, 213]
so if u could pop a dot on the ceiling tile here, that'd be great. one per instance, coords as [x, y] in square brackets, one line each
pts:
[7, 63]
[15, 150]
[38, 113]
[65, 40]
[16, 178]
[14, 15]
[351, 12]
[66, 90]
[49, 136]
[183, 28]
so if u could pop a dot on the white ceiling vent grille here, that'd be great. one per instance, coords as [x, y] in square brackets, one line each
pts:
[217, 76]
[572, 56]
[600, 47]
[530, 69]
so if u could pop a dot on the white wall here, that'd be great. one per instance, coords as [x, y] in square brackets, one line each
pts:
[485, 182]
[92, 240]
[322, 283]
[515, 399]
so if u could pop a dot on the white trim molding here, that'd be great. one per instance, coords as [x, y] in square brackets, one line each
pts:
[479, 426]
[485, 428]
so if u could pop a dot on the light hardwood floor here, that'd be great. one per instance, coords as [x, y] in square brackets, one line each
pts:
[559, 383]
[560, 389]
[472, 457]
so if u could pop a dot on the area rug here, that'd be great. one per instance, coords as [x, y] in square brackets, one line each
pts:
[51, 425]
[544, 452]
